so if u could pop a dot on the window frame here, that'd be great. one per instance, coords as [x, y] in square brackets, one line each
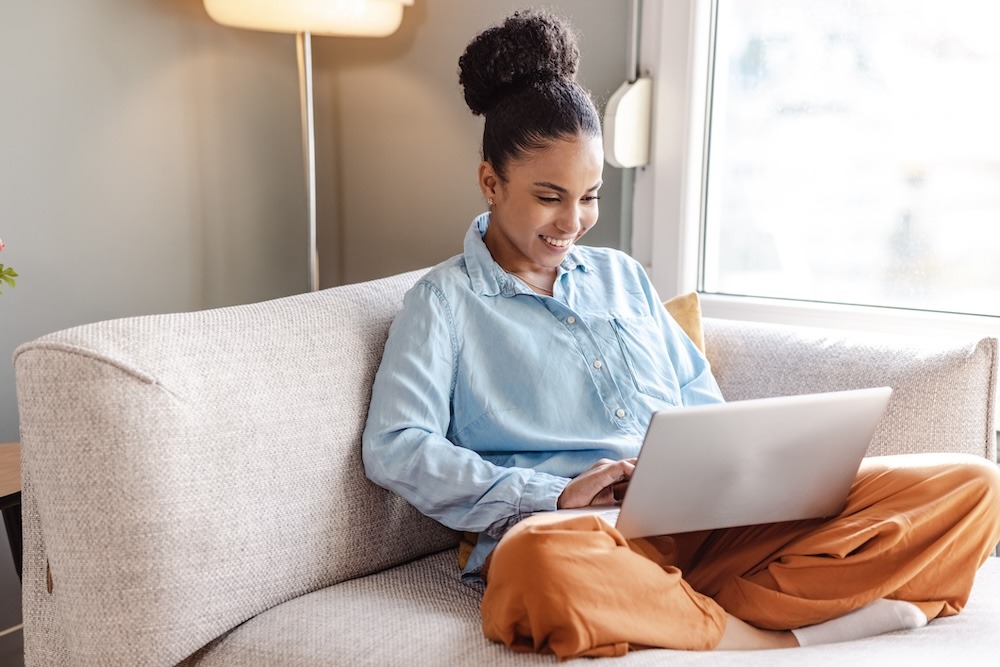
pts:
[669, 193]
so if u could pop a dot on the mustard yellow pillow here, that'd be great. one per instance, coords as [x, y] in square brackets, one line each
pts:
[465, 548]
[686, 311]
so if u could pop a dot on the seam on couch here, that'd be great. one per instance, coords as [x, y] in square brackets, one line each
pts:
[991, 389]
[125, 367]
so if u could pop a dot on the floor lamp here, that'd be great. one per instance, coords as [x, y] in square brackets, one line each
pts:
[353, 18]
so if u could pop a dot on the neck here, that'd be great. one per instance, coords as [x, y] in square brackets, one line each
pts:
[539, 278]
[534, 282]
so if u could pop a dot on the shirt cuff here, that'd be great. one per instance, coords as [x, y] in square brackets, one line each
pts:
[541, 494]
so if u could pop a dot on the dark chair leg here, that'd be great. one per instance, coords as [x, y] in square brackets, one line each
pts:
[12, 521]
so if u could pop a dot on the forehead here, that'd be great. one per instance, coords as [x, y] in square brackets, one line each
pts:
[572, 162]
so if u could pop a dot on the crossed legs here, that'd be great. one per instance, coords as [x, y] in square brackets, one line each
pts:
[915, 529]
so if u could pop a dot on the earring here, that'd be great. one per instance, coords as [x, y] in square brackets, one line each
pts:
[490, 202]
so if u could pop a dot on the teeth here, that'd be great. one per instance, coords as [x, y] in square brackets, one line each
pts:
[559, 243]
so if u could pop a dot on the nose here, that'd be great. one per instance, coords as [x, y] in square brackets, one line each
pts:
[569, 224]
[575, 219]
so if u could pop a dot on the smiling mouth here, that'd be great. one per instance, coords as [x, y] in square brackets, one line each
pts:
[559, 243]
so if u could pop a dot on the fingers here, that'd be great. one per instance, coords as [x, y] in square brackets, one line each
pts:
[594, 486]
[615, 491]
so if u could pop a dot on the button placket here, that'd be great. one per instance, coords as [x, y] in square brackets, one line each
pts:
[587, 344]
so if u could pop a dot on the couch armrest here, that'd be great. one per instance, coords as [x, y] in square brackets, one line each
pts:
[944, 388]
[185, 472]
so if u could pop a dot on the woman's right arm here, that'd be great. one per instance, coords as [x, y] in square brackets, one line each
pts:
[405, 448]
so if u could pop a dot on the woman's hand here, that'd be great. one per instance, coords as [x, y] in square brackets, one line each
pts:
[594, 486]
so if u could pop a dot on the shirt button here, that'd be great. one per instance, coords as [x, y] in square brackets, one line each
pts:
[619, 413]
[598, 365]
[570, 320]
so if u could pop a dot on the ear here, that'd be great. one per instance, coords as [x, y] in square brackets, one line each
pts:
[489, 181]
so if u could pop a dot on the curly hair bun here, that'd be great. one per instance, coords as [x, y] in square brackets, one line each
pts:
[529, 48]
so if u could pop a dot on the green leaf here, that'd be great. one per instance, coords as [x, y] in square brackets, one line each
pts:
[7, 275]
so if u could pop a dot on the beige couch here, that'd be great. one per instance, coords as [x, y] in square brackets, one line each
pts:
[193, 489]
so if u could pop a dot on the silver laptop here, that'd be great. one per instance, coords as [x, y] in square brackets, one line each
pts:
[748, 462]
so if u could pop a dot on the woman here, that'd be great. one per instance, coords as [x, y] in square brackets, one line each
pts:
[520, 376]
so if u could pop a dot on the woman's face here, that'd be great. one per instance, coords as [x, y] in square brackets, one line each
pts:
[547, 202]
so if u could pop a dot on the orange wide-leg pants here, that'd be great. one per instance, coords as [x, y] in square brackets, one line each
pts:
[915, 528]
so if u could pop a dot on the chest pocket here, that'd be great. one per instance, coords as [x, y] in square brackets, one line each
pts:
[646, 356]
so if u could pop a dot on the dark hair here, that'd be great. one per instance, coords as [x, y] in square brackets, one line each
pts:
[521, 75]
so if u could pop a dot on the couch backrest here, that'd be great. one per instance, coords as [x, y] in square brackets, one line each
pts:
[185, 472]
[944, 387]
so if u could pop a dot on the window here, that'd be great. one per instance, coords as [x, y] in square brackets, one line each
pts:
[853, 153]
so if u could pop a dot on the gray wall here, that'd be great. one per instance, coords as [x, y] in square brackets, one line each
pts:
[399, 149]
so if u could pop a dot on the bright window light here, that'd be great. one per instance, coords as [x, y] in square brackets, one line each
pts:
[854, 153]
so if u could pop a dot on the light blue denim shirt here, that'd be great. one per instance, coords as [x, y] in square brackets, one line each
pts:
[491, 397]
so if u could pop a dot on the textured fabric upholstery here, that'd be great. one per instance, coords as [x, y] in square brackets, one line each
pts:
[944, 389]
[420, 615]
[193, 484]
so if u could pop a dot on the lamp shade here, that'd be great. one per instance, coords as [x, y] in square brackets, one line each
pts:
[358, 18]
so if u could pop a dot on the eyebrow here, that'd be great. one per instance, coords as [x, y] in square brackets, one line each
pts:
[561, 189]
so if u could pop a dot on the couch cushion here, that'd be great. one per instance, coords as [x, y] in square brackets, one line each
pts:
[944, 388]
[422, 614]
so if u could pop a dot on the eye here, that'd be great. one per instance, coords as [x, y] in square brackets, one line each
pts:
[548, 200]
[591, 199]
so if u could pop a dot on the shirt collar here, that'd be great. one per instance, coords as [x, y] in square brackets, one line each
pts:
[487, 277]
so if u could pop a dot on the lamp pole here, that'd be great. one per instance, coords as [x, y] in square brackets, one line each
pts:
[303, 43]
[358, 18]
